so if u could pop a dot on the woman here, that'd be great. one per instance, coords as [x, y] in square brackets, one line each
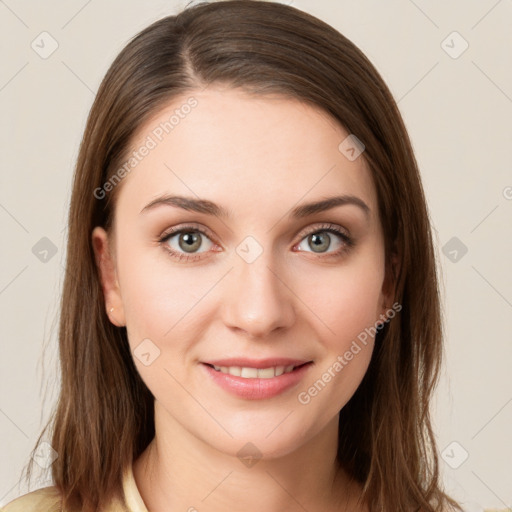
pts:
[250, 315]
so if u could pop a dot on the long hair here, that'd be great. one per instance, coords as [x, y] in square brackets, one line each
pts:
[104, 416]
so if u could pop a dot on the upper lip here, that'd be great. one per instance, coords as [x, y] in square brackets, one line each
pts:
[257, 363]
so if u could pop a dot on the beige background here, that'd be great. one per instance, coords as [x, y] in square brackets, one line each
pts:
[458, 109]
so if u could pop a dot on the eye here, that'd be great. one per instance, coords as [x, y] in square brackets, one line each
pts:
[188, 239]
[184, 242]
[321, 240]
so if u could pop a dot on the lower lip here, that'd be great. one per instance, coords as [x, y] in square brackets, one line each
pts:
[256, 389]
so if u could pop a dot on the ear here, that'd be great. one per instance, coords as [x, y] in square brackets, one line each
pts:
[105, 262]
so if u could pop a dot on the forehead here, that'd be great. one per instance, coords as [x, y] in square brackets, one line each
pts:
[250, 153]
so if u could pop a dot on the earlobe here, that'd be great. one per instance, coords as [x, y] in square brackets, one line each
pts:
[107, 272]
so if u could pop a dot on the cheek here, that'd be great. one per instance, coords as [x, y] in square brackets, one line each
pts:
[158, 298]
[346, 307]
[355, 309]
[344, 301]
[162, 304]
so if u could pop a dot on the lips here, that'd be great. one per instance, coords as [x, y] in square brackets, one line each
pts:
[257, 363]
[257, 388]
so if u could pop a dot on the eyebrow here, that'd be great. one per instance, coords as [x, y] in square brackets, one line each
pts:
[210, 208]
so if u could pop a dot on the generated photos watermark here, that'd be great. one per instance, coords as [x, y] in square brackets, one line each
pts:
[151, 142]
[304, 397]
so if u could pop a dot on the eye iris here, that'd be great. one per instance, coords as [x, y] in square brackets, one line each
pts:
[189, 241]
[316, 237]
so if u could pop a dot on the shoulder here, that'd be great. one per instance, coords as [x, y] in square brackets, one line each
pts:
[46, 499]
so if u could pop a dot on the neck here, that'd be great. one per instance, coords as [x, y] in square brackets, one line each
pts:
[178, 471]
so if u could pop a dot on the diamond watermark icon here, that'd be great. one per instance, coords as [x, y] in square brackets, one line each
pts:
[454, 249]
[351, 147]
[249, 249]
[454, 455]
[146, 352]
[44, 45]
[44, 250]
[249, 455]
[45, 455]
[454, 45]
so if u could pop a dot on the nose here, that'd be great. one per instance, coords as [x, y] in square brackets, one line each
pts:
[257, 299]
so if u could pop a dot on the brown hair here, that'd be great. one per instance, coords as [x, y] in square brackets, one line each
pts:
[104, 416]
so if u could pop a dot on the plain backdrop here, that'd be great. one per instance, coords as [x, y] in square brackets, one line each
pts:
[448, 64]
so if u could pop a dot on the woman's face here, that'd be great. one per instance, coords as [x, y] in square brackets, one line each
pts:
[255, 285]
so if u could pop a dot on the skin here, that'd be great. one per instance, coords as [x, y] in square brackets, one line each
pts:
[258, 156]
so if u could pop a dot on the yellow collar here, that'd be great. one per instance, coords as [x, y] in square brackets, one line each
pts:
[131, 492]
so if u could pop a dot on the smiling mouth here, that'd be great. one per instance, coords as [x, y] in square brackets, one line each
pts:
[256, 373]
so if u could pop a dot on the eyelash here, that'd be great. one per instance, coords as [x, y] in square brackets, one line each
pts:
[348, 242]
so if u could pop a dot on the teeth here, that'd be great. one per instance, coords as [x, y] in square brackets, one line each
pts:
[255, 373]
